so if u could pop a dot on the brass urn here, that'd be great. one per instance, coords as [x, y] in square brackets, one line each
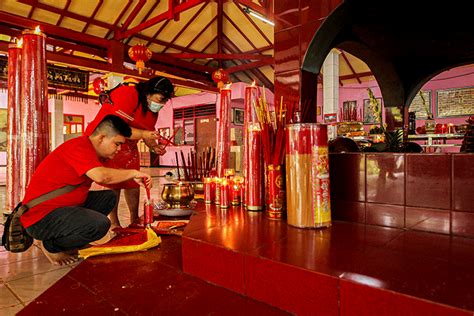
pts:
[177, 195]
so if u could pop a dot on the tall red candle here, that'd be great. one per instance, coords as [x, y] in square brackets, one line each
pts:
[223, 132]
[34, 103]
[254, 194]
[14, 182]
[209, 190]
[250, 117]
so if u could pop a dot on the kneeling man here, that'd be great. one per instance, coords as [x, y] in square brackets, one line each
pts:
[71, 221]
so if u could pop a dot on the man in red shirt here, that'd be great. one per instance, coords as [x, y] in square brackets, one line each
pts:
[74, 219]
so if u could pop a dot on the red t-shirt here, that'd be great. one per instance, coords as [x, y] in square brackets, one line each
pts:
[125, 105]
[66, 165]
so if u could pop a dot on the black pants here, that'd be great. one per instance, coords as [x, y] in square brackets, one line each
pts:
[72, 227]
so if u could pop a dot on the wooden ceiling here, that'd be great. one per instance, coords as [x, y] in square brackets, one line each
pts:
[189, 38]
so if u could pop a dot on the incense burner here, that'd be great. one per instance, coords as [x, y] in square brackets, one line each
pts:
[177, 195]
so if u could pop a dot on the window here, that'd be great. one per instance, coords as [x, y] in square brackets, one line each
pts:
[184, 119]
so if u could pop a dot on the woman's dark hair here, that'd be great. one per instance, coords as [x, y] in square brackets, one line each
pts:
[161, 85]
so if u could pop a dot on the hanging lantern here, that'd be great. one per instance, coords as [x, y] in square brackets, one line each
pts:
[99, 85]
[220, 76]
[139, 54]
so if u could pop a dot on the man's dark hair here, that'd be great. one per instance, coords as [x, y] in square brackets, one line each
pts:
[113, 125]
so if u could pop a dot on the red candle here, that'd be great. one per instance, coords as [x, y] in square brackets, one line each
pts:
[223, 132]
[209, 190]
[254, 192]
[14, 180]
[34, 103]
[217, 193]
[224, 194]
[234, 191]
[148, 213]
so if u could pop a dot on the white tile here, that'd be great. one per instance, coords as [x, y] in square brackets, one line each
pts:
[26, 268]
[29, 288]
[11, 310]
[7, 299]
[7, 257]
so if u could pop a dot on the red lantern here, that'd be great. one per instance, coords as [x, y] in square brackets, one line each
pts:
[139, 54]
[99, 85]
[220, 76]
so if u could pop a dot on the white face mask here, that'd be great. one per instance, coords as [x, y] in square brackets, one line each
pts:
[155, 107]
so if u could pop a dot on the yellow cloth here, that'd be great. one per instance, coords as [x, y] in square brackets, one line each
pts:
[153, 240]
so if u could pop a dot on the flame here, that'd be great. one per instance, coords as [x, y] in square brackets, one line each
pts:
[254, 83]
[37, 30]
[19, 43]
[227, 86]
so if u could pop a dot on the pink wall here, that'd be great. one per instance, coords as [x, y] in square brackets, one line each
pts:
[165, 118]
[455, 78]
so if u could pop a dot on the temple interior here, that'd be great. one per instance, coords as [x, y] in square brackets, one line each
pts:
[317, 155]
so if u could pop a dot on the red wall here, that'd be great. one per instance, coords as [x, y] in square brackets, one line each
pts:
[296, 22]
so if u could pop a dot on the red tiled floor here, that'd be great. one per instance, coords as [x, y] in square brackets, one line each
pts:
[143, 283]
[418, 264]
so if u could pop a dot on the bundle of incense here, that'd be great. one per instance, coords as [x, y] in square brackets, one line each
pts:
[273, 128]
[166, 141]
[196, 167]
[177, 165]
[185, 169]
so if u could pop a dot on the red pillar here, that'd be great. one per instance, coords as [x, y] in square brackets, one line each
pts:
[34, 103]
[223, 132]
[14, 183]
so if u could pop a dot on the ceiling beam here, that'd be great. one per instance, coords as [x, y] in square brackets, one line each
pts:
[259, 50]
[13, 32]
[132, 15]
[257, 73]
[200, 32]
[254, 24]
[240, 31]
[68, 14]
[359, 75]
[185, 27]
[255, 7]
[220, 30]
[170, 14]
[53, 30]
[207, 46]
[91, 18]
[68, 3]
[219, 56]
[350, 65]
[255, 64]
[119, 17]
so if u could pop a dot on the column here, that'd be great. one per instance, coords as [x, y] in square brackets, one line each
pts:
[13, 180]
[57, 123]
[331, 87]
[34, 103]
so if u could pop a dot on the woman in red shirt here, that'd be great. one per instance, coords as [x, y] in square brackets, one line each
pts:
[139, 106]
